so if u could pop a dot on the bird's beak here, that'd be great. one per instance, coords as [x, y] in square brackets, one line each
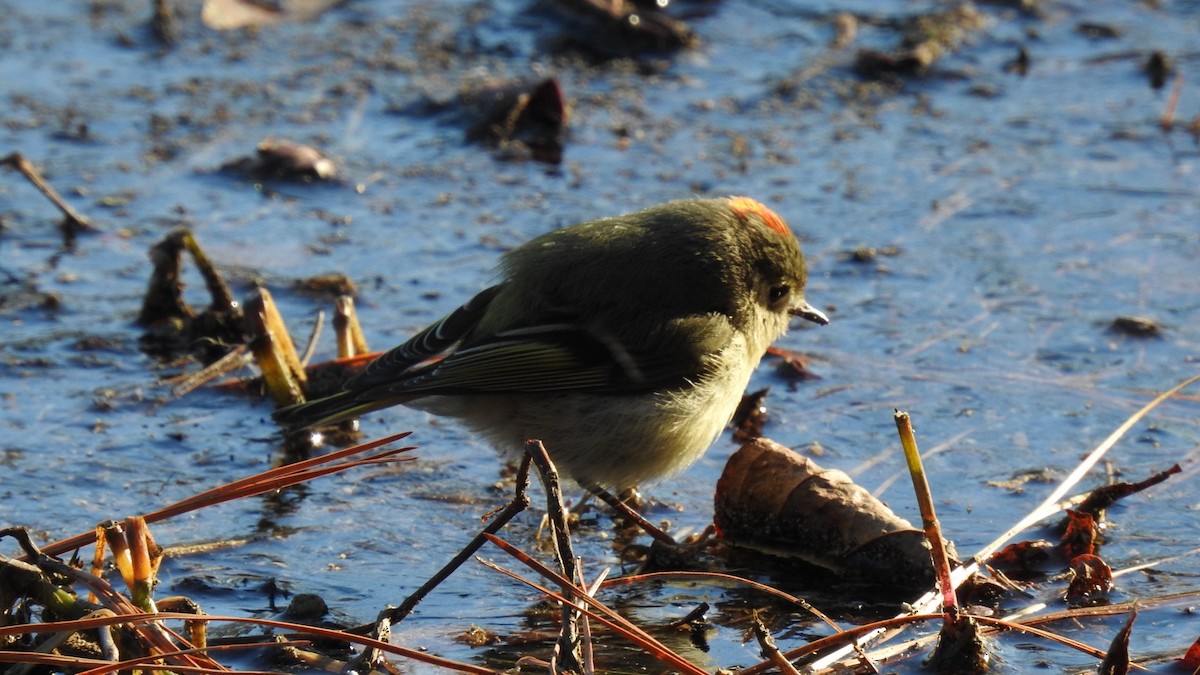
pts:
[807, 311]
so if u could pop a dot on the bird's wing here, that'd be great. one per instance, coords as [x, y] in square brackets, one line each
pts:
[430, 343]
[565, 357]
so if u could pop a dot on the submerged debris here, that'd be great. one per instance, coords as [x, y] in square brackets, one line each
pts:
[73, 221]
[961, 648]
[1158, 67]
[1136, 326]
[750, 416]
[335, 283]
[172, 326]
[617, 28]
[162, 22]
[520, 117]
[926, 39]
[1091, 581]
[283, 159]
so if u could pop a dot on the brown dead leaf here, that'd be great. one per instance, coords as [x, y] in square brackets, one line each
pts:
[775, 501]
[1091, 581]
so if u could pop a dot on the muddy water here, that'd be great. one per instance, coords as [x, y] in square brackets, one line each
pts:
[1012, 218]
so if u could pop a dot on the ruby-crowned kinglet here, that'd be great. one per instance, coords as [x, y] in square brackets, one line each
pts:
[624, 344]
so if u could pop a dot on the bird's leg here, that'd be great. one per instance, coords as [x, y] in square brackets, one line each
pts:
[624, 509]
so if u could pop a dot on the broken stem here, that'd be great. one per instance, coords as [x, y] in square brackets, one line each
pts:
[933, 530]
[74, 219]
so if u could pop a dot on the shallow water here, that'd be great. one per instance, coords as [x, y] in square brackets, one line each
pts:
[1016, 217]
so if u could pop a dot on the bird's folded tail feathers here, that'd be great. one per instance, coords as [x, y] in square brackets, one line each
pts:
[324, 411]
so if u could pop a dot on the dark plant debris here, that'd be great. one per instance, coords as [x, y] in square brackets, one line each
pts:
[1117, 661]
[520, 118]
[1137, 326]
[1098, 31]
[1091, 581]
[961, 648]
[793, 366]
[333, 284]
[1158, 68]
[1103, 497]
[926, 39]
[618, 28]
[750, 416]
[172, 326]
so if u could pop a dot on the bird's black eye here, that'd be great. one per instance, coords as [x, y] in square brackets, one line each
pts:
[777, 293]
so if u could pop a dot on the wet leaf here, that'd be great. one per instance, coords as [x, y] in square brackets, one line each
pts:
[775, 501]
[1024, 556]
[1191, 659]
[1081, 535]
[1091, 581]
[794, 365]
[1116, 661]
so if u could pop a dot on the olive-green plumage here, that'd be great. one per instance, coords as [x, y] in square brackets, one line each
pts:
[624, 343]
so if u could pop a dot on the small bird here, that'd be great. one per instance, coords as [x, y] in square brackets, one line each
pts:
[624, 344]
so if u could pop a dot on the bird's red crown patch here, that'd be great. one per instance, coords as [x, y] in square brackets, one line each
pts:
[744, 206]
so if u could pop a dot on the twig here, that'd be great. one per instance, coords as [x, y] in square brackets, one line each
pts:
[184, 384]
[311, 347]
[682, 574]
[324, 633]
[370, 657]
[570, 658]
[74, 220]
[585, 628]
[769, 651]
[599, 611]
[1168, 117]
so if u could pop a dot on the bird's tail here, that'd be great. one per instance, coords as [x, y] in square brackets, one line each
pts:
[323, 411]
